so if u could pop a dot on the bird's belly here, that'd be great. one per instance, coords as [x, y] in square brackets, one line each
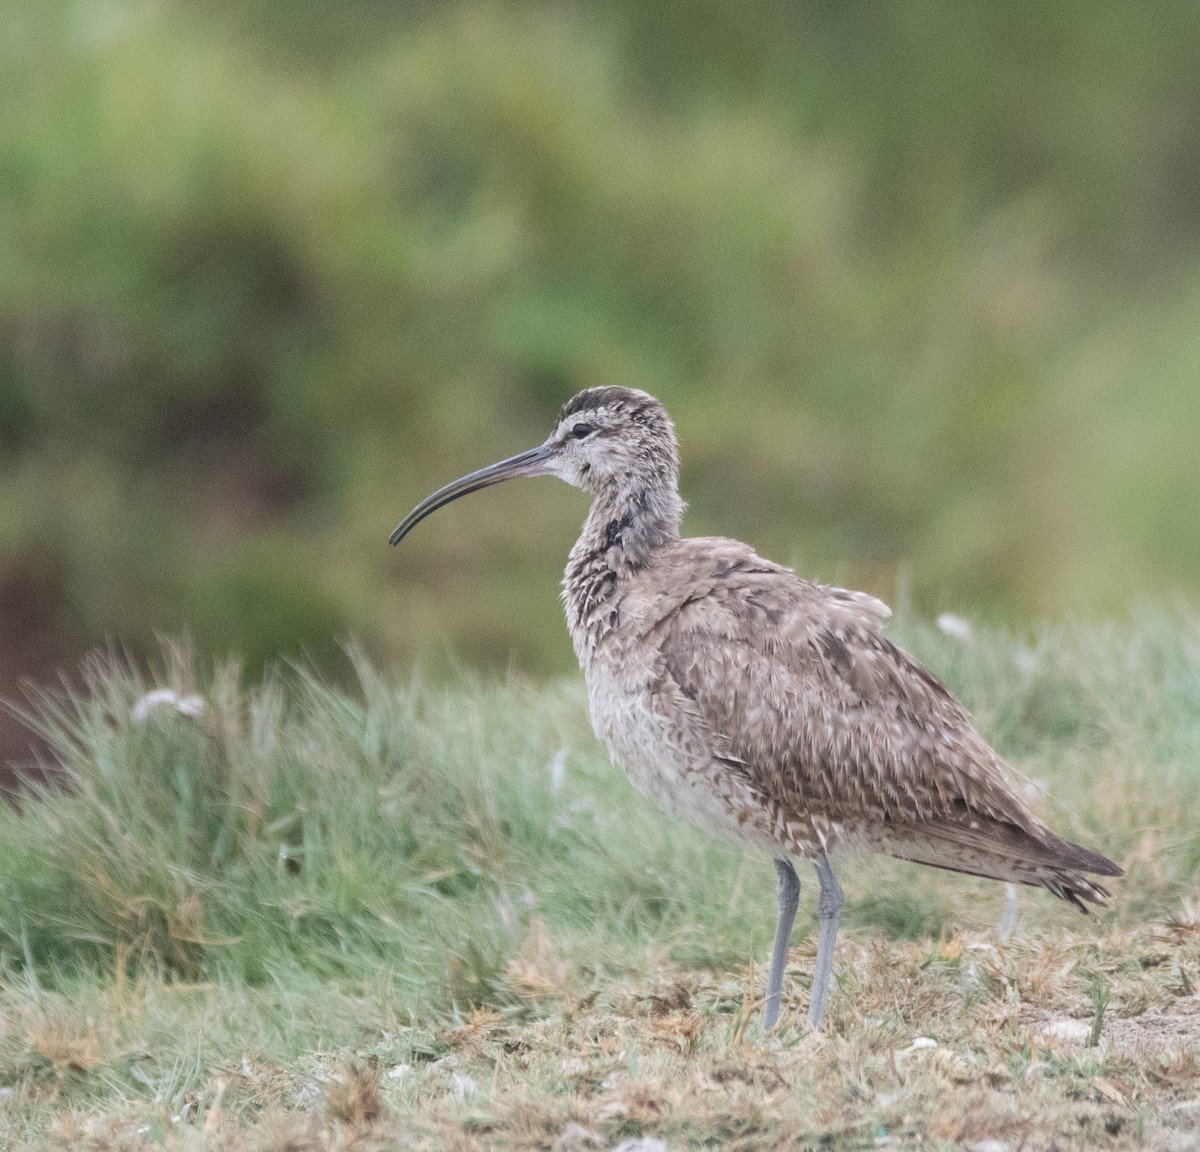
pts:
[670, 762]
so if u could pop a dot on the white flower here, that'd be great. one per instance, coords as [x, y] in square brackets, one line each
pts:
[954, 626]
[165, 697]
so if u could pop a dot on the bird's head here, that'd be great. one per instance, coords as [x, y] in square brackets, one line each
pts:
[606, 440]
[613, 436]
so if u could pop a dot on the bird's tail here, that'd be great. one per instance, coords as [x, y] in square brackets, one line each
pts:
[999, 850]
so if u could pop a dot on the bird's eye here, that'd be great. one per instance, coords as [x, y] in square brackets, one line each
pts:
[582, 431]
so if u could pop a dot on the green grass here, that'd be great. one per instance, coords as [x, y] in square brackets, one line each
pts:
[229, 927]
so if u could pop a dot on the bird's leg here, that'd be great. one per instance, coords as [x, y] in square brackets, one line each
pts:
[789, 897]
[829, 907]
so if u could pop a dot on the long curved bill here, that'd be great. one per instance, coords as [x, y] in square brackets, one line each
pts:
[531, 463]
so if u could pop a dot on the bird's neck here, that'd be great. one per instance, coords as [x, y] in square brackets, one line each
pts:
[623, 530]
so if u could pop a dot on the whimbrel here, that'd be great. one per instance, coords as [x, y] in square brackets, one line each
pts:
[765, 707]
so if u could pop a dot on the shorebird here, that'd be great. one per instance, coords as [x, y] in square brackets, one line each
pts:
[762, 706]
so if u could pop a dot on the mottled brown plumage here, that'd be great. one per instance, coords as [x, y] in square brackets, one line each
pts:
[766, 707]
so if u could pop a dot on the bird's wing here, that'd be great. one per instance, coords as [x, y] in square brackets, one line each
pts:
[840, 733]
[825, 715]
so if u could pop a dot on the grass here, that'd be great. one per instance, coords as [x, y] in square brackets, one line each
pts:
[424, 915]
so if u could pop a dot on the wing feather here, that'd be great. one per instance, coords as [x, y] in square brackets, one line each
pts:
[837, 726]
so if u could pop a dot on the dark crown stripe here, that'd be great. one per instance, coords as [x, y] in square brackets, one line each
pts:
[634, 403]
[591, 399]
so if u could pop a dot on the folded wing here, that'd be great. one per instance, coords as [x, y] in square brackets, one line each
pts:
[839, 728]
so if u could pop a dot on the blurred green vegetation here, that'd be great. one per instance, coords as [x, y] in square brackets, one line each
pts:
[920, 283]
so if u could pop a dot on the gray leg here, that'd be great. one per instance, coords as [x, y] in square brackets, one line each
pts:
[829, 906]
[789, 897]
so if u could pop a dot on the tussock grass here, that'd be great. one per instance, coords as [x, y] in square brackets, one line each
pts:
[425, 913]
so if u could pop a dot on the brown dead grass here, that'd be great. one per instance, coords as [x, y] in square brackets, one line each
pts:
[963, 1042]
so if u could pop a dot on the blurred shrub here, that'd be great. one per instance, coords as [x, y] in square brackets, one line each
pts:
[918, 281]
